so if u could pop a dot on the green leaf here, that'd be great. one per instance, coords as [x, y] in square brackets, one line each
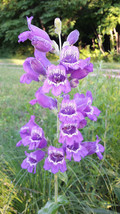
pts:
[102, 211]
[62, 200]
[117, 192]
[63, 177]
[51, 207]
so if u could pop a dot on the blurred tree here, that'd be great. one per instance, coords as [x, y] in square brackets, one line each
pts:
[13, 20]
[93, 18]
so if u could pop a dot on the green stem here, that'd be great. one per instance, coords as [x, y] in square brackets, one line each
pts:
[57, 126]
[60, 42]
[56, 176]
[56, 187]
[58, 123]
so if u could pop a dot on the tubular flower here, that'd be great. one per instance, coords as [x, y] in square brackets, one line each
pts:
[33, 69]
[42, 59]
[76, 150]
[56, 80]
[85, 67]
[77, 68]
[82, 124]
[68, 111]
[31, 160]
[55, 160]
[84, 105]
[39, 38]
[32, 135]
[94, 147]
[90, 111]
[81, 101]
[69, 58]
[69, 133]
[43, 100]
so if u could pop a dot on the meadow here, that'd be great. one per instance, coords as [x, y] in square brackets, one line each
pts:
[91, 186]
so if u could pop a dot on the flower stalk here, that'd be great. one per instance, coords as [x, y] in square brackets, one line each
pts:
[56, 187]
[58, 122]
[56, 176]
[60, 45]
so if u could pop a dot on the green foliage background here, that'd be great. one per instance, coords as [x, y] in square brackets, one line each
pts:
[90, 17]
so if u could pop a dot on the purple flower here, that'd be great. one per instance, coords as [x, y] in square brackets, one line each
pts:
[32, 135]
[31, 160]
[74, 83]
[94, 147]
[33, 69]
[68, 111]
[84, 105]
[81, 101]
[85, 67]
[55, 160]
[26, 129]
[82, 124]
[69, 58]
[41, 57]
[69, 133]
[39, 38]
[56, 80]
[77, 68]
[76, 150]
[43, 100]
[92, 112]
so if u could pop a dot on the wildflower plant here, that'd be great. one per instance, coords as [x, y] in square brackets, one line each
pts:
[71, 113]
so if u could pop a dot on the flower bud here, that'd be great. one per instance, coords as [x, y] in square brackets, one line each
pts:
[74, 83]
[57, 24]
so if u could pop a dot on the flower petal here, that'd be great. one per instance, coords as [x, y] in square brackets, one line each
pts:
[41, 44]
[46, 87]
[41, 56]
[24, 36]
[73, 37]
[81, 73]
[37, 31]
[19, 143]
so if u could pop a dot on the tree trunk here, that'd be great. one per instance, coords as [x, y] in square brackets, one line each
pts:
[100, 43]
[116, 38]
[118, 43]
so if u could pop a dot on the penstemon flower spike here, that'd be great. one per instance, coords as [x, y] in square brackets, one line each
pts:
[71, 113]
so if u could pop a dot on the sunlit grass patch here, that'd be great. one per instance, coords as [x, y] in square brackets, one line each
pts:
[12, 61]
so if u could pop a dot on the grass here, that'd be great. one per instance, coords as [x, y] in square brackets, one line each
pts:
[13, 61]
[105, 65]
[93, 186]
